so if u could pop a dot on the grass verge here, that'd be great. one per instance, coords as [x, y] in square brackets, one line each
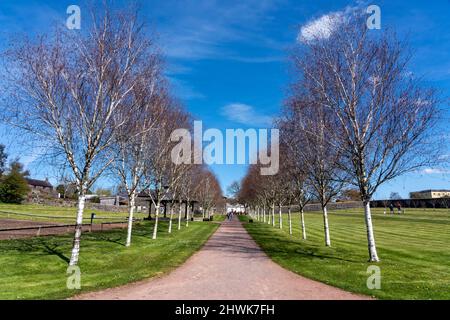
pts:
[414, 249]
[35, 268]
[46, 213]
[219, 217]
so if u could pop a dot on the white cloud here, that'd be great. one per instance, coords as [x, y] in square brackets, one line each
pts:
[245, 114]
[324, 26]
[321, 28]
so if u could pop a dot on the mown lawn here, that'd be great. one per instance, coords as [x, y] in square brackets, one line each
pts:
[36, 268]
[219, 217]
[414, 249]
[64, 214]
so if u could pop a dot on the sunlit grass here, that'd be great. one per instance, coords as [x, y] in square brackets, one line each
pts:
[35, 268]
[46, 213]
[414, 249]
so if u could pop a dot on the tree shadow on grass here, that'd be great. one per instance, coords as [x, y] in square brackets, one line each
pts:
[38, 246]
[145, 231]
[278, 246]
[53, 250]
[117, 239]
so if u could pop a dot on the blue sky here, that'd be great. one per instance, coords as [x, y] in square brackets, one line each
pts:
[227, 60]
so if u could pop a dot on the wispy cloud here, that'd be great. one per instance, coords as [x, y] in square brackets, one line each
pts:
[262, 59]
[435, 171]
[204, 29]
[184, 90]
[245, 114]
[177, 69]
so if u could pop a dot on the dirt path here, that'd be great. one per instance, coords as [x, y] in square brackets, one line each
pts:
[230, 266]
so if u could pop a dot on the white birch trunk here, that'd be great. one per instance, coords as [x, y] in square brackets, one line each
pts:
[302, 221]
[171, 218]
[187, 213]
[179, 216]
[273, 214]
[373, 256]
[290, 220]
[280, 217]
[326, 227]
[264, 213]
[79, 224]
[155, 228]
[130, 218]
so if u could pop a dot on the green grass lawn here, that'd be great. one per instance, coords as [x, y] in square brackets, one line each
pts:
[414, 249]
[219, 217]
[36, 268]
[66, 215]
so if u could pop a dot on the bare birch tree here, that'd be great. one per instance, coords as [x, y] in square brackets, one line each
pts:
[132, 145]
[292, 140]
[208, 193]
[259, 190]
[162, 174]
[385, 115]
[319, 154]
[188, 187]
[177, 172]
[68, 88]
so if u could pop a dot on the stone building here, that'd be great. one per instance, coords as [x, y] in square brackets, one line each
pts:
[430, 194]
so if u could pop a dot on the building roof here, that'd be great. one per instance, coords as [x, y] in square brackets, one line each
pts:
[432, 190]
[39, 183]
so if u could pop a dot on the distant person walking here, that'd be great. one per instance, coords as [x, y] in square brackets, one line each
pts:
[391, 207]
[399, 207]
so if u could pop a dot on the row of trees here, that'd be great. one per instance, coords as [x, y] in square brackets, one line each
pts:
[355, 118]
[97, 101]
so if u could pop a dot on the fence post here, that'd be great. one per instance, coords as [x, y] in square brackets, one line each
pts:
[92, 219]
[38, 232]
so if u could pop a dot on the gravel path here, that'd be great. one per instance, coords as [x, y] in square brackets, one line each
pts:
[230, 266]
